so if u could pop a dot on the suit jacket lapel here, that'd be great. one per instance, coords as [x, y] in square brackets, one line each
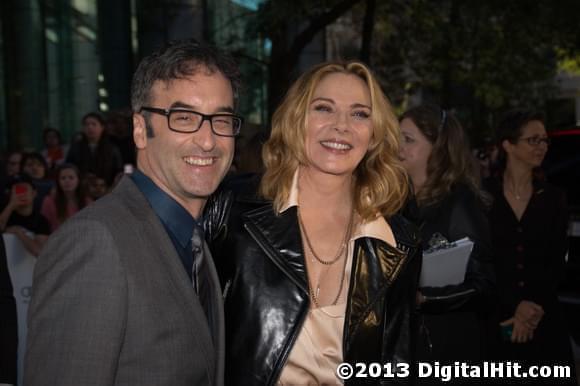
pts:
[161, 246]
[220, 322]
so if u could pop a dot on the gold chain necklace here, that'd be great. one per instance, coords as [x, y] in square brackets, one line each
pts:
[314, 295]
[347, 231]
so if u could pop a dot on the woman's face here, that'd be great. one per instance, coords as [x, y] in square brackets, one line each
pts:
[68, 180]
[93, 129]
[531, 147]
[338, 124]
[34, 168]
[415, 148]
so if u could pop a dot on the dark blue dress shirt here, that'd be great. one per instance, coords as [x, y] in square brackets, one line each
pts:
[177, 221]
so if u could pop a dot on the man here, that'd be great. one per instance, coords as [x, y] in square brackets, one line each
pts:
[21, 217]
[119, 298]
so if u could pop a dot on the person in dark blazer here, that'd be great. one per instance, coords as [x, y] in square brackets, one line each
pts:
[450, 207]
[529, 219]
[8, 323]
[125, 292]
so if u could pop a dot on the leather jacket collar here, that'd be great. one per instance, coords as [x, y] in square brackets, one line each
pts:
[279, 236]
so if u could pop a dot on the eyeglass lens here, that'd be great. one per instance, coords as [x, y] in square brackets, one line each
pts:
[189, 121]
[538, 140]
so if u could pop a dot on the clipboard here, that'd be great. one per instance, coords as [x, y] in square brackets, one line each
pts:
[446, 266]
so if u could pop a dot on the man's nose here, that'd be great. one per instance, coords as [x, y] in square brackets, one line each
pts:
[205, 137]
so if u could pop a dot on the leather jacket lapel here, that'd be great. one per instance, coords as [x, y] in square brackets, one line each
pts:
[279, 237]
[375, 267]
[376, 264]
[390, 259]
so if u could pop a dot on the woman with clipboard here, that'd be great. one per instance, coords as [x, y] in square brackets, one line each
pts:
[450, 207]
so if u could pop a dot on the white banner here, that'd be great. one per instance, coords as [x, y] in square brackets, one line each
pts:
[20, 266]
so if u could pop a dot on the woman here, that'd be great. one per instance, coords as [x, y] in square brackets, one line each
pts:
[436, 156]
[67, 199]
[529, 223]
[318, 268]
[95, 153]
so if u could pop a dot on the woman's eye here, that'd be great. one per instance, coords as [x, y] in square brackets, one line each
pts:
[322, 108]
[361, 114]
[408, 139]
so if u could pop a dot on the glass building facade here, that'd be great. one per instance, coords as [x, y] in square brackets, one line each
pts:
[60, 59]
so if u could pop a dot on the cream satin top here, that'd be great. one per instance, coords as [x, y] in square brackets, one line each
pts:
[318, 349]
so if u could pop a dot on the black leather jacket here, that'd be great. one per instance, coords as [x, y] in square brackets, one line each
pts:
[261, 263]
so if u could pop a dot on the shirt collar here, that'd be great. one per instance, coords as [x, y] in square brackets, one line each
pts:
[377, 228]
[174, 217]
[293, 197]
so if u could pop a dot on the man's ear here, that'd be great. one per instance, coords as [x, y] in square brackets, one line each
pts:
[139, 131]
[506, 145]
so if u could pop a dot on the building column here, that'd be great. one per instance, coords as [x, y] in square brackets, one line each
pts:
[114, 18]
[161, 21]
[25, 82]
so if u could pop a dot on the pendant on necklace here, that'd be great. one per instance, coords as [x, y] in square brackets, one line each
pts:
[318, 290]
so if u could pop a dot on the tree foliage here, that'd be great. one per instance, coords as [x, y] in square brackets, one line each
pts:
[477, 57]
[290, 25]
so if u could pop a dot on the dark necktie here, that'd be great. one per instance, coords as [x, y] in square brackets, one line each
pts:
[200, 274]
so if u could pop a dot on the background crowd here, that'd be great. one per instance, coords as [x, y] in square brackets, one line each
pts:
[41, 189]
[507, 305]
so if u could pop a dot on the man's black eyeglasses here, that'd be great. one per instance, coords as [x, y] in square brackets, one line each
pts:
[189, 121]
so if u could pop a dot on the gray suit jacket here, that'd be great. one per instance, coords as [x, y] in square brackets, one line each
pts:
[113, 305]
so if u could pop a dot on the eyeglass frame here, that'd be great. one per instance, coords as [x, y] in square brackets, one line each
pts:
[204, 117]
[536, 140]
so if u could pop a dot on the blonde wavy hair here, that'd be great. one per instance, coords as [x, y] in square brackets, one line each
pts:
[380, 184]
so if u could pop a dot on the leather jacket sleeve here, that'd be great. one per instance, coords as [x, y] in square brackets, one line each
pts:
[215, 214]
[477, 292]
[403, 349]
[216, 217]
[217, 209]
